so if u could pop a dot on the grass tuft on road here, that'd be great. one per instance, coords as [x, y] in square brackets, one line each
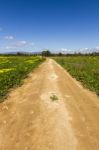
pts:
[54, 97]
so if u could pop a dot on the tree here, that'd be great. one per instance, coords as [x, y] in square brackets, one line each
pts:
[60, 54]
[46, 53]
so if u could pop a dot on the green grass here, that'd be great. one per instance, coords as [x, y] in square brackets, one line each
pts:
[83, 68]
[13, 69]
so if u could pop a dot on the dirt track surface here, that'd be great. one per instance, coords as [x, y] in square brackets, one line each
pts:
[31, 120]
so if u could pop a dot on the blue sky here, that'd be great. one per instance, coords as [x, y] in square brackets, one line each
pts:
[32, 25]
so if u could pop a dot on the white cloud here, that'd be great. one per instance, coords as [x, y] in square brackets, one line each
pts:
[64, 49]
[86, 48]
[9, 47]
[23, 43]
[17, 45]
[20, 44]
[10, 37]
[97, 47]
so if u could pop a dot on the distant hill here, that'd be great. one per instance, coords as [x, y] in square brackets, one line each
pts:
[19, 52]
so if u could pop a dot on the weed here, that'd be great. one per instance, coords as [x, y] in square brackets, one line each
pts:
[54, 97]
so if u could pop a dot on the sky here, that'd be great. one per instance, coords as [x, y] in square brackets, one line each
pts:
[34, 25]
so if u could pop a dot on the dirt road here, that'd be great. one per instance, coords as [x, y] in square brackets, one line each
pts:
[50, 111]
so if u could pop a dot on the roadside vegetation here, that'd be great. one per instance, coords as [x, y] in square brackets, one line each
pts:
[83, 68]
[15, 68]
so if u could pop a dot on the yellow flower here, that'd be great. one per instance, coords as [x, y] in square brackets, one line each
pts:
[6, 70]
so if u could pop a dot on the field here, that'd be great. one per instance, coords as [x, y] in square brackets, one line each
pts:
[83, 68]
[50, 111]
[15, 68]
